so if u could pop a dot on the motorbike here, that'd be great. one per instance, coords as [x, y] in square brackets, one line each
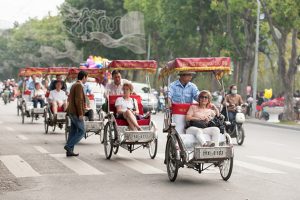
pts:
[235, 127]
[5, 96]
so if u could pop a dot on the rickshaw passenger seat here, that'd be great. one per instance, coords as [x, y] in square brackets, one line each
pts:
[179, 112]
[121, 122]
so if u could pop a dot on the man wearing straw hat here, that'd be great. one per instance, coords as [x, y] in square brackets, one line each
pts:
[182, 90]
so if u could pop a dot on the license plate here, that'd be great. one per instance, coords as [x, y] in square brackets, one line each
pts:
[38, 110]
[61, 115]
[139, 136]
[212, 152]
[95, 125]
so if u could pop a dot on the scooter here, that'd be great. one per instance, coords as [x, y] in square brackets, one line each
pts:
[235, 128]
[5, 96]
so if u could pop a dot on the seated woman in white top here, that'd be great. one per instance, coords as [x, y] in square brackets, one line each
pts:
[58, 98]
[127, 107]
[38, 96]
[203, 112]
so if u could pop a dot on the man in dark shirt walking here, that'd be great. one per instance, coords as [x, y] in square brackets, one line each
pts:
[76, 111]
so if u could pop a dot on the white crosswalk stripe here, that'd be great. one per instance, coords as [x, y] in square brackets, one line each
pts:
[256, 168]
[9, 128]
[22, 137]
[76, 165]
[276, 161]
[41, 149]
[18, 167]
[140, 166]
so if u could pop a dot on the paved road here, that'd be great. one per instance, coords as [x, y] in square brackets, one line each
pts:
[33, 166]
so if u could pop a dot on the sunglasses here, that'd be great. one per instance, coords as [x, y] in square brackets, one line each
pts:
[203, 97]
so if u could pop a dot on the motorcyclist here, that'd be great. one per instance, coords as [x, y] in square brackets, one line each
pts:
[232, 99]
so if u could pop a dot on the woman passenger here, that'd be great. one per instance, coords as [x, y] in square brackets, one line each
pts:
[204, 112]
[127, 107]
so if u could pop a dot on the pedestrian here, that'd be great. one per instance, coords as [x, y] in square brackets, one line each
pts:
[76, 110]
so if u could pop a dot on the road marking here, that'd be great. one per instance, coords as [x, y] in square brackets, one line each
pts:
[140, 166]
[9, 128]
[18, 167]
[298, 158]
[41, 149]
[76, 165]
[277, 144]
[257, 168]
[22, 137]
[275, 161]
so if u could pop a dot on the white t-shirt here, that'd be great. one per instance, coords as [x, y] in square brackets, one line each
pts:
[125, 104]
[112, 89]
[58, 96]
[39, 92]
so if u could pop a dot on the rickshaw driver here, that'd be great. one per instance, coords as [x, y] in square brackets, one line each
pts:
[183, 90]
[53, 83]
[115, 87]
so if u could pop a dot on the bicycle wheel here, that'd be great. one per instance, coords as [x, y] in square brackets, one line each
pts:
[172, 163]
[226, 168]
[153, 148]
[46, 123]
[108, 140]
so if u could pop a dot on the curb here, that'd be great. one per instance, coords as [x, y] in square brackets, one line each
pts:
[274, 125]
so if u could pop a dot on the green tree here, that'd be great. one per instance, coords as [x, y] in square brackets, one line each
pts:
[284, 19]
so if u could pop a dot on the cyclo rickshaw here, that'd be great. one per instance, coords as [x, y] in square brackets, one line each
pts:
[91, 127]
[24, 103]
[116, 132]
[183, 149]
[48, 113]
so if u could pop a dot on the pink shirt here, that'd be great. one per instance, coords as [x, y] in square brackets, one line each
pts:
[201, 113]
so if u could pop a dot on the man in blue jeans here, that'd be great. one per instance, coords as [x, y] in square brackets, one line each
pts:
[76, 110]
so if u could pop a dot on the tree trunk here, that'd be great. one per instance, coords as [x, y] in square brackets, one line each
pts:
[288, 82]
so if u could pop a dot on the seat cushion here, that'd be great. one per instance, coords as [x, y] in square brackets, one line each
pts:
[59, 109]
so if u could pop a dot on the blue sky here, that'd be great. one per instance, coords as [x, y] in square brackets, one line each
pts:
[21, 10]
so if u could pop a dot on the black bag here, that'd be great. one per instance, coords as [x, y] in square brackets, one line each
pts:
[198, 124]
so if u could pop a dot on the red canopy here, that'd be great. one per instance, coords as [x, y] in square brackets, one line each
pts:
[28, 71]
[92, 72]
[59, 70]
[211, 64]
[148, 65]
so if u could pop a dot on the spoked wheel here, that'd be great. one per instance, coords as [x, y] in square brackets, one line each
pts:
[23, 113]
[101, 136]
[167, 121]
[172, 163]
[108, 140]
[116, 149]
[32, 117]
[240, 134]
[67, 128]
[18, 108]
[226, 168]
[46, 123]
[153, 148]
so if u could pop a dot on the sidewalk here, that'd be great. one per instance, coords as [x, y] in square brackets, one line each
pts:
[277, 125]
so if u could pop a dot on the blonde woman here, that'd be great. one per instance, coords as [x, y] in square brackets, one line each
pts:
[203, 112]
[127, 107]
